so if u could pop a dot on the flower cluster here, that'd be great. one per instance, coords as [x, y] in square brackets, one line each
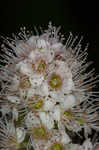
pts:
[46, 93]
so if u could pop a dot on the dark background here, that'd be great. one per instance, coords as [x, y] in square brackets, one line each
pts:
[79, 16]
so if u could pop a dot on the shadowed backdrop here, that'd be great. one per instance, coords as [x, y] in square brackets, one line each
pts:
[78, 17]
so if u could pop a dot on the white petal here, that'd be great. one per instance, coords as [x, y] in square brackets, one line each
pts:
[13, 99]
[42, 43]
[44, 89]
[20, 134]
[15, 114]
[32, 55]
[68, 85]
[65, 138]
[48, 105]
[30, 92]
[32, 41]
[24, 68]
[56, 114]
[56, 46]
[31, 120]
[69, 101]
[46, 120]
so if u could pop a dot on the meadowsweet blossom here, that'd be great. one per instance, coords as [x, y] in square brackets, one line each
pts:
[76, 118]
[47, 89]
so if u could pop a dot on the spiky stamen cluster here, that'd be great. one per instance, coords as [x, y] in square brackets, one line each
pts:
[46, 88]
[8, 136]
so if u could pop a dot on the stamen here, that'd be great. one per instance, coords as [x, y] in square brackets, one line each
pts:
[24, 83]
[57, 146]
[35, 103]
[40, 132]
[41, 66]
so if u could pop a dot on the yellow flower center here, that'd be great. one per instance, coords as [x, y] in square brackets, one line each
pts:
[39, 104]
[40, 132]
[57, 146]
[25, 83]
[41, 66]
[55, 81]
[68, 113]
[35, 103]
